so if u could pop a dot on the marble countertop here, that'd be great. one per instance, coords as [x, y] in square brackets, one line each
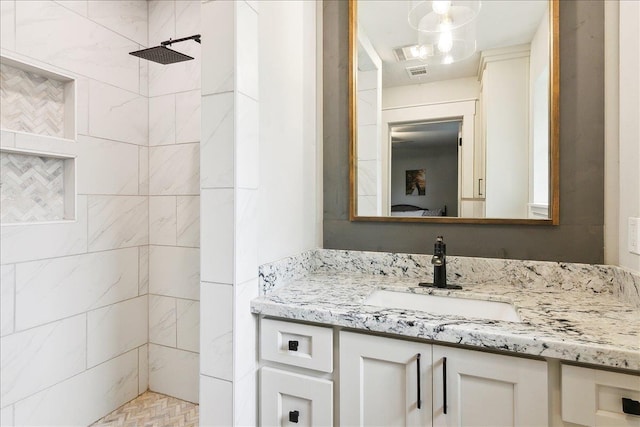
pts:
[576, 325]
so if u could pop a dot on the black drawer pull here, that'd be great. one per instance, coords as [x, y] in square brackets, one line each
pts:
[444, 385]
[294, 416]
[293, 346]
[631, 407]
[419, 401]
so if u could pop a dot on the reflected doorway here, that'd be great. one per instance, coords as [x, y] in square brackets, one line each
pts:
[425, 168]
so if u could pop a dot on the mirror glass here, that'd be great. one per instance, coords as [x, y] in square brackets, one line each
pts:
[452, 111]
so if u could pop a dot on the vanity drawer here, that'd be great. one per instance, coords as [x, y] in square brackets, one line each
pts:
[295, 344]
[592, 397]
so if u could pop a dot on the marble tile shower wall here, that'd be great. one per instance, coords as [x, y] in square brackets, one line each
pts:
[174, 204]
[74, 303]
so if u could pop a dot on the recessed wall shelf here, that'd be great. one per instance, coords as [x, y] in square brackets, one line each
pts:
[36, 187]
[36, 101]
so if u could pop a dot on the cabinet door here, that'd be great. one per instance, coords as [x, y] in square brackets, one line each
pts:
[288, 399]
[382, 380]
[596, 398]
[471, 388]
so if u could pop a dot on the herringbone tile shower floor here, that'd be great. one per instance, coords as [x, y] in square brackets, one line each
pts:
[152, 410]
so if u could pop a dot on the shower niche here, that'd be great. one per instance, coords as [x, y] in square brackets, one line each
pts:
[36, 101]
[36, 183]
[36, 187]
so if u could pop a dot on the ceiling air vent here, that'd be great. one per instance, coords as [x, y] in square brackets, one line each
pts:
[417, 71]
[400, 54]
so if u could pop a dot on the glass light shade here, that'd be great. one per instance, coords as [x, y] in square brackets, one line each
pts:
[436, 16]
[449, 46]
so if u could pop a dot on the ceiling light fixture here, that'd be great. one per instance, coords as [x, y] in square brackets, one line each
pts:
[431, 16]
[446, 28]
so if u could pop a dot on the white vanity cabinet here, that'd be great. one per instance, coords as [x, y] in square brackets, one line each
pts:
[472, 388]
[287, 396]
[380, 381]
[597, 398]
[384, 382]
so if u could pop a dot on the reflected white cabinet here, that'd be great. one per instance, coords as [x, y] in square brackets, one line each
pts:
[381, 382]
[380, 379]
[471, 388]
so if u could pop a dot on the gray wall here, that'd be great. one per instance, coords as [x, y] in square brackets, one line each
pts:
[578, 238]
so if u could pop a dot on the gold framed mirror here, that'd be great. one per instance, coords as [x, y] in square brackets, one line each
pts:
[454, 112]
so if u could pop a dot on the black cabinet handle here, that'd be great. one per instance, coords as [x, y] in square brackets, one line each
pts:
[293, 345]
[444, 384]
[419, 402]
[631, 407]
[479, 186]
[293, 416]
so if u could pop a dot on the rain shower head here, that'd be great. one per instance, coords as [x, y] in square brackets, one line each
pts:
[162, 54]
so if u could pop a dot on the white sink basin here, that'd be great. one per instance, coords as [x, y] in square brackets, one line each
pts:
[474, 308]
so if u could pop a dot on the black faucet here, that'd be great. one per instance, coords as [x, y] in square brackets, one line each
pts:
[439, 261]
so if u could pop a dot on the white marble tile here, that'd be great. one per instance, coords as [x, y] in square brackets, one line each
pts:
[143, 270]
[75, 43]
[246, 400]
[7, 25]
[173, 372]
[218, 141]
[254, 4]
[216, 335]
[162, 220]
[78, 6]
[247, 50]
[46, 144]
[218, 59]
[174, 271]
[82, 106]
[143, 368]
[161, 21]
[178, 77]
[106, 167]
[116, 329]
[188, 219]
[217, 236]
[7, 293]
[143, 171]
[246, 235]
[368, 206]
[174, 170]
[367, 177]
[247, 146]
[245, 357]
[85, 398]
[187, 17]
[117, 222]
[162, 320]
[56, 288]
[367, 107]
[216, 409]
[117, 114]
[36, 241]
[144, 78]
[128, 18]
[188, 325]
[368, 142]
[41, 357]
[7, 139]
[6, 413]
[188, 116]
[162, 120]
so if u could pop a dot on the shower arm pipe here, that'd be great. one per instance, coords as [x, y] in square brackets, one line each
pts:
[170, 42]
